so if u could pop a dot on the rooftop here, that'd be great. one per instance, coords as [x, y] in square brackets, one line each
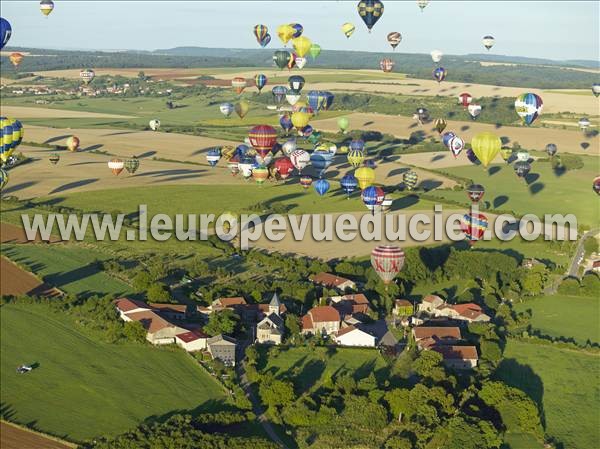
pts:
[190, 336]
[151, 321]
[328, 279]
[457, 352]
[126, 305]
[435, 332]
[321, 314]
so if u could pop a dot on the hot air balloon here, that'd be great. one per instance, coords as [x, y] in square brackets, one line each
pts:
[260, 174]
[300, 159]
[282, 58]
[528, 106]
[436, 55]
[285, 33]
[54, 158]
[475, 192]
[348, 29]
[474, 226]
[488, 42]
[456, 145]
[522, 168]
[238, 84]
[596, 89]
[46, 6]
[260, 80]
[357, 145]
[365, 177]
[5, 32]
[446, 138]
[328, 100]
[87, 76]
[293, 96]
[265, 41]
[474, 110]
[394, 38]
[551, 149]
[16, 58]
[387, 261]
[422, 4]
[486, 146]
[523, 156]
[386, 64]
[301, 62]
[321, 160]
[321, 186]
[596, 185]
[410, 179]
[242, 108]
[439, 74]
[289, 146]
[262, 138]
[314, 137]
[506, 153]
[349, 184]
[213, 156]
[372, 196]
[264, 159]
[370, 11]
[301, 45]
[298, 29]
[300, 119]
[233, 164]
[421, 115]
[116, 166]
[316, 99]
[305, 182]
[226, 109]
[260, 32]
[472, 158]
[343, 123]
[584, 123]
[3, 178]
[465, 99]
[356, 158]
[440, 125]
[154, 124]
[245, 167]
[286, 123]
[284, 167]
[279, 93]
[306, 132]
[315, 51]
[296, 82]
[73, 143]
[131, 165]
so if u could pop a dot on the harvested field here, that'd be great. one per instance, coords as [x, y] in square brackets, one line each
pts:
[568, 141]
[15, 234]
[16, 281]
[13, 437]
[24, 112]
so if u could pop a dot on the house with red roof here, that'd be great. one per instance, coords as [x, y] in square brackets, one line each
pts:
[159, 330]
[321, 320]
[469, 312]
[427, 337]
[429, 303]
[458, 357]
[192, 341]
[329, 280]
[126, 305]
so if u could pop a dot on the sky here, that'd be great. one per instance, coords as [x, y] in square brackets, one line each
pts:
[544, 29]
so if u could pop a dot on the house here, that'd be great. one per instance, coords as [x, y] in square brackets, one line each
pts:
[321, 319]
[458, 357]
[402, 307]
[270, 329]
[350, 305]
[126, 305]
[329, 280]
[430, 303]
[191, 341]
[469, 312]
[530, 263]
[353, 336]
[159, 330]
[228, 303]
[222, 347]
[171, 311]
[426, 337]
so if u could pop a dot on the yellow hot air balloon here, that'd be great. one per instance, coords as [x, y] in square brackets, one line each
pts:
[356, 158]
[301, 45]
[486, 147]
[365, 176]
[285, 33]
[16, 58]
[242, 108]
[300, 119]
[348, 29]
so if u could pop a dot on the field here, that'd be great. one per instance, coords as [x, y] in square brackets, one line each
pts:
[565, 316]
[16, 281]
[563, 383]
[120, 385]
[13, 437]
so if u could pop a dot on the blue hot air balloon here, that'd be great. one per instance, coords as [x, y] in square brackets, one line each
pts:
[439, 74]
[528, 107]
[370, 163]
[328, 100]
[261, 81]
[241, 150]
[213, 155]
[306, 131]
[447, 137]
[298, 29]
[373, 196]
[316, 100]
[265, 40]
[357, 145]
[349, 183]
[279, 93]
[296, 82]
[321, 160]
[286, 123]
[321, 186]
[5, 32]
[370, 11]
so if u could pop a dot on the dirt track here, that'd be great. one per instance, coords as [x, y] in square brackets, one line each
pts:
[13, 437]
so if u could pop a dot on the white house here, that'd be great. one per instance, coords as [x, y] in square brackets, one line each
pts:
[270, 329]
[458, 357]
[192, 341]
[126, 305]
[159, 330]
[353, 336]
[430, 303]
[321, 319]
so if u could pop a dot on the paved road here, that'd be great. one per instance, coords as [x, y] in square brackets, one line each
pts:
[574, 266]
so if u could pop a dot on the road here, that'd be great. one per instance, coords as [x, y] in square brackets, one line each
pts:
[574, 266]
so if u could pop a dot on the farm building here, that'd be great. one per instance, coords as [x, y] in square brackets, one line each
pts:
[458, 357]
[222, 347]
[426, 337]
[329, 280]
[321, 319]
[353, 336]
[159, 330]
[191, 341]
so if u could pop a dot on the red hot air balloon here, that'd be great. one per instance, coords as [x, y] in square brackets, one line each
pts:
[387, 261]
[284, 167]
[465, 99]
[262, 138]
[474, 226]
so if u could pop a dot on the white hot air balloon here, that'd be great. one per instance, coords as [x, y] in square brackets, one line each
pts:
[436, 56]
[488, 42]
[300, 159]
[474, 110]
[289, 147]
[154, 124]
[226, 109]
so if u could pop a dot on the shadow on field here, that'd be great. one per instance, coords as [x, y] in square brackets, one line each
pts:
[429, 184]
[531, 178]
[397, 171]
[84, 163]
[175, 172]
[74, 185]
[584, 145]
[438, 157]
[57, 138]
[493, 170]
[120, 133]
[92, 147]
[500, 201]
[536, 187]
[404, 202]
[200, 151]
[17, 187]
[146, 154]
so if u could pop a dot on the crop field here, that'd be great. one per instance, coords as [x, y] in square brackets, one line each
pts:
[560, 381]
[82, 388]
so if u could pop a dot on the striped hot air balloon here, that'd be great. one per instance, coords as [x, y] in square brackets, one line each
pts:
[387, 261]
[263, 138]
[116, 166]
[528, 107]
[238, 84]
[260, 32]
[305, 182]
[410, 179]
[394, 38]
[261, 81]
[3, 178]
[356, 158]
[54, 158]
[386, 64]
[321, 186]
[260, 174]
[349, 183]
[474, 226]
[372, 196]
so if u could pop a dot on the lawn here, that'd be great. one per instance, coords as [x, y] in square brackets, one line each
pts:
[83, 388]
[69, 267]
[310, 367]
[545, 192]
[565, 316]
[564, 382]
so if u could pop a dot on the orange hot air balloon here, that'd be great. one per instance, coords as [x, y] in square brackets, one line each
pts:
[238, 84]
[116, 166]
[73, 143]
[16, 58]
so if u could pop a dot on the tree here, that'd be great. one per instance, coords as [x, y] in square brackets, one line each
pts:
[275, 392]
[534, 280]
[222, 322]
[141, 76]
[398, 402]
[429, 365]
[398, 442]
[490, 350]
[346, 383]
[135, 331]
[292, 325]
[158, 293]
[142, 281]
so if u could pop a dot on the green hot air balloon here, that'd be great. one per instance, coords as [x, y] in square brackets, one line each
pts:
[410, 179]
[281, 58]
[314, 51]
[343, 124]
[131, 165]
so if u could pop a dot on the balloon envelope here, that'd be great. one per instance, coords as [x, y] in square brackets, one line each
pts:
[387, 261]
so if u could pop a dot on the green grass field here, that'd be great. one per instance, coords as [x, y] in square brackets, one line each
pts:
[68, 267]
[565, 316]
[564, 382]
[548, 194]
[83, 388]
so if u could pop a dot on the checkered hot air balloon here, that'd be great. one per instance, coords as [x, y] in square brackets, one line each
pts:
[300, 159]
[410, 179]
[387, 261]
[473, 226]
[132, 165]
[370, 11]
